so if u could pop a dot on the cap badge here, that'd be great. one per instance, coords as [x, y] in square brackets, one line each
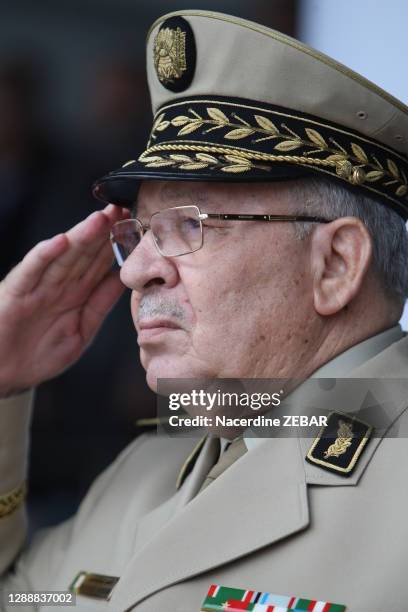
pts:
[170, 54]
[340, 443]
[174, 54]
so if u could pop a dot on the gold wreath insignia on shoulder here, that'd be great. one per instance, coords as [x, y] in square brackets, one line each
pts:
[342, 442]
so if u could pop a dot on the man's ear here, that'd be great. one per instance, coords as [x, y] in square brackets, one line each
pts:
[341, 253]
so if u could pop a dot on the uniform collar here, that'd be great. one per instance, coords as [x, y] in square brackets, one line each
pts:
[383, 355]
[342, 365]
[271, 481]
[359, 354]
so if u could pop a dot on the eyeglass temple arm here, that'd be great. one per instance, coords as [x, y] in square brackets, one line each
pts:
[235, 217]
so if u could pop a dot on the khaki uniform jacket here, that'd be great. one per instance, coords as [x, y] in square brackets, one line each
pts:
[271, 522]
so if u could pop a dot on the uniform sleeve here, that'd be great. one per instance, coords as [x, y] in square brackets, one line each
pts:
[34, 567]
[15, 417]
[15, 575]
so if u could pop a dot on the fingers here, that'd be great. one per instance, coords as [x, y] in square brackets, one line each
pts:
[65, 256]
[25, 276]
[115, 213]
[100, 303]
[98, 268]
[98, 257]
[85, 241]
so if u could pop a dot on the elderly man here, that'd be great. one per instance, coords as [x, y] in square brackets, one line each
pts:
[269, 242]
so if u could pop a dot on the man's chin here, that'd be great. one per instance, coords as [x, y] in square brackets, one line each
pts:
[151, 381]
[159, 369]
[171, 368]
[155, 374]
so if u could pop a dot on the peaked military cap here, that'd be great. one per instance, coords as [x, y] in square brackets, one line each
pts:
[235, 101]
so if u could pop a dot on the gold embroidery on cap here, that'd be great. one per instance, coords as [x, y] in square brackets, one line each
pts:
[342, 442]
[169, 54]
[233, 162]
[353, 166]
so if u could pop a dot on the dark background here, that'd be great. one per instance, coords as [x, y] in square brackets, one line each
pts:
[74, 105]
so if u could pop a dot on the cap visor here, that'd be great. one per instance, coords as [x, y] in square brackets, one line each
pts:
[121, 187]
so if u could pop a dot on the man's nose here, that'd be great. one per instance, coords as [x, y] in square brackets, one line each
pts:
[145, 267]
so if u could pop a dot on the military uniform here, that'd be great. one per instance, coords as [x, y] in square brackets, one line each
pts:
[270, 522]
[236, 101]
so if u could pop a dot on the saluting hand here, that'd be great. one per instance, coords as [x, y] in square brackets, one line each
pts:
[55, 300]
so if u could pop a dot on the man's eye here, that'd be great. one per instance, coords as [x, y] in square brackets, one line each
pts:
[191, 223]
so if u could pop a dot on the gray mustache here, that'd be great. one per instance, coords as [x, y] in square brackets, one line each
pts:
[152, 306]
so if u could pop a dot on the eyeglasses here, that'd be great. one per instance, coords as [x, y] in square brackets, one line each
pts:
[179, 230]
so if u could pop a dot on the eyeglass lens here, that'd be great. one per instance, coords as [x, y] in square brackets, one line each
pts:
[176, 231]
[125, 236]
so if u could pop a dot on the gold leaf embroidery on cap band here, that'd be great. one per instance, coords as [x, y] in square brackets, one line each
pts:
[286, 115]
[12, 500]
[169, 53]
[342, 442]
[354, 165]
[210, 148]
[227, 163]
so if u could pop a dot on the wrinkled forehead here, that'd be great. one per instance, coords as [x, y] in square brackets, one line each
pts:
[213, 197]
